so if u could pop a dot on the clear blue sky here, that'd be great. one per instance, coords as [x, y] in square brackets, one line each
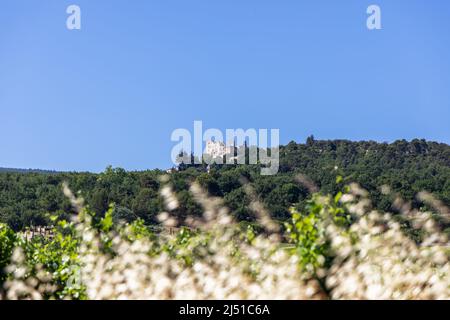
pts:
[113, 92]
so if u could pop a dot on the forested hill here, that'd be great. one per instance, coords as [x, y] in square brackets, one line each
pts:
[407, 167]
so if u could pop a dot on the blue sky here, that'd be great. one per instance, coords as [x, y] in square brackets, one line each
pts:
[113, 92]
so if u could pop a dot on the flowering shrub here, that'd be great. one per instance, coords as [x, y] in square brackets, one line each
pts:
[339, 248]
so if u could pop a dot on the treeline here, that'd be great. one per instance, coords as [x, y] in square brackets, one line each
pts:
[407, 167]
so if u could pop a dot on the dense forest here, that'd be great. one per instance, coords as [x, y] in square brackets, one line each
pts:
[29, 197]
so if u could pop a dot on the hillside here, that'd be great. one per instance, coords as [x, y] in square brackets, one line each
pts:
[407, 167]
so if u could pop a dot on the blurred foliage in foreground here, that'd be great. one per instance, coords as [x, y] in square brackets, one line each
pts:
[407, 167]
[338, 247]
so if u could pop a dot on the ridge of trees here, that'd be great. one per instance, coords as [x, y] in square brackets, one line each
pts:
[29, 197]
